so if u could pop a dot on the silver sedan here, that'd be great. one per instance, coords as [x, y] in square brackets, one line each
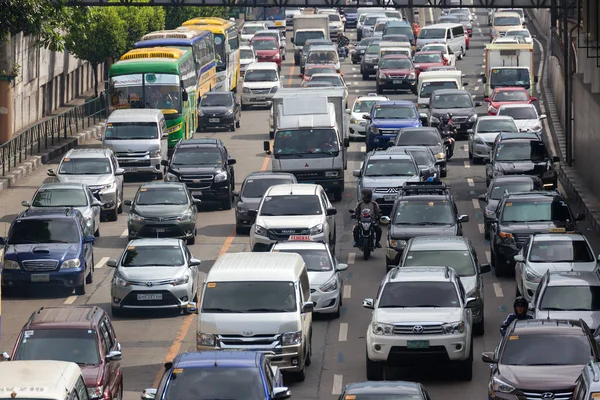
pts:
[484, 133]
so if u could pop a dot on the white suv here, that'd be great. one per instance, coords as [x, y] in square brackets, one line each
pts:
[420, 315]
[297, 209]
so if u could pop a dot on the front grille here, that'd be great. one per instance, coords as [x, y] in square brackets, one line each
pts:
[260, 91]
[167, 231]
[252, 342]
[557, 395]
[307, 176]
[284, 234]
[388, 131]
[40, 265]
[197, 181]
[131, 154]
[159, 219]
[418, 330]
[460, 120]
[167, 299]
[397, 76]
[390, 190]
[151, 283]
[134, 163]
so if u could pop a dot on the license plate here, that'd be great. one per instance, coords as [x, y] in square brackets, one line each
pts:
[40, 278]
[376, 67]
[278, 23]
[197, 193]
[397, 82]
[557, 230]
[418, 344]
[260, 99]
[457, 126]
[389, 197]
[153, 296]
[213, 120]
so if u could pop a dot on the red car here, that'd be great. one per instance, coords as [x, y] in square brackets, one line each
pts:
[425, 59]
[467, 40]
[266, 49]
[507, 95]
[396, 72]
[317, 69]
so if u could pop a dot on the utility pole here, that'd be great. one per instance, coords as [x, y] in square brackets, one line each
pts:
[567, 80]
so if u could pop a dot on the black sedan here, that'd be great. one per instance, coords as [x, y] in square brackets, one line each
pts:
[219, 110]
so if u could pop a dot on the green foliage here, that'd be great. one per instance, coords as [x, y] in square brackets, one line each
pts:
[175, 16]
[139, 21]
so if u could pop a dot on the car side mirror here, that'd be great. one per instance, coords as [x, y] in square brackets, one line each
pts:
[385, 220]
[580, 217]
[356, 173]
[3, 242]
[164, 163]
[519, 258]
[194, 262]
[196, 201]
[478, 104]
[463, 218]
[331, 211]
[482, 197]
[235, 194]
[308, 307]
[465, 83]
[346, 142]
[341, 267]
[347, 111]
[164, 136]
[483, 79]
[114, 355]
[112, 263]
[232, 161]
[367, 117]
[281, 393]
[292, 39]
[5, 357]
[485, 268]
[26, 203]
[536, 79]
[555, 159]
[470, 301]
[533, 99]
[127, 203]
[369, 304]
[149, 394]
[252, 213]
[184, 96]
[487, 100]
[543, 116]
[470, 131]
[51, 172]
[488, 357]
[267, 147]
[119, 172]
[88, 239]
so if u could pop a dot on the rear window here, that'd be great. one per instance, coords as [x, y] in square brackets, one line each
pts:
[418, 138]
[432, 33]
[546, 350]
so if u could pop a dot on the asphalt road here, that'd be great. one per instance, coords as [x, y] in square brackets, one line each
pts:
[150, 339]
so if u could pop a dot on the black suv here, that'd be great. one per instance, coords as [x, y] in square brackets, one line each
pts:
[421, 209]
[456, 102]
[520, 215]
[424, 136]
[219, 109]
[206, 168]
[522, 154]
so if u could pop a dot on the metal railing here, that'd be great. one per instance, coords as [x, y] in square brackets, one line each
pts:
[52, 131]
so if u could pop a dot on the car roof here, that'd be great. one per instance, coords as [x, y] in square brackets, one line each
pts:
[244, 47]
[59, 185]
[428, 52]
[573, 278]
[325, 66]
[451, 91]
[162, 185]
[389, 155]
[88, 153]
[509, 14]
[396, 56]
[235, 267]
[227, 93]
[561, 237]
[367, 98]
[323, 47]
[495, 117]
[300, 245]
[262, 65]
[533, 194]
[324, 74]
[155, 242]
[296, 189]
[547, 326]
[510, 89]
[63, 317]
[268, 174]
[422, 274]
[520, 105]
[202, 142]
[50, 212]
[515, 178]
[387, 387]
[504, 136]
[257, 38]
[403, 103]
[135, 115]
[41, 379]
[221, 358]
[420, 128]
[401, 149]
[443, 243]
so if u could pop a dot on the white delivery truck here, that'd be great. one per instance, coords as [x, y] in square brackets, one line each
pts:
[308, 26]
[434, 80]
[509, 65]
[309, 139]
[390, 48]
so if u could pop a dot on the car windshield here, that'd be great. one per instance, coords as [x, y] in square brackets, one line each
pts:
[422, 157]
[424, 212]
[400, 30]
[289, 205]
[264, 44]
[72, 345]
[152, 256]
[246, 54]
[60, 198]
[367, 42]
[396, 63]
[458, 11]
[306, 142]
[131, 130]
[447, 19]
[364, 106]
[507, 21]
[249, 297]
[333, 79]
[546, 350]
[334, 18]
[265, 75]
[419, 294]
[318, 70]
[380, 27]
[251, 30]
[519, 112]
[452, 101]
[394, 112]
[463, 18]
[510, 95]
[570, 298]
[556, 251]
[256, 188]
[383, 396]
[322, 57]
[217, 100]
[373, 48]
[85, 166]
[418, 138]
[460, 260]
[427, 58]
[432, 33]
[168, 195]
[435, 47]
[428, 87]
[510, 77]
[395, 38]
[519, 33]
[303, 36]
[315, 260]
[197, 156]
[496, 125]
[390, 167]
[221, 383]
[543, 210]
[501, 188]
[520, 151]
[33, 231]
[371, 21]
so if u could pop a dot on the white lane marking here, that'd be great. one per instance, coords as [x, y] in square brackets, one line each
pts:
[476, 204]
[467, 165]
[488, 256]
[101, 263]
[482, 65]
[356, 90]
[498, 290]
[476, 88]
[124, 234]
[351, 258]
[481, 228]
[70, 300]
[363, 148]
[478, 23]
[465, 147]
[337, 384]
[479, 80]
[479, 30]
[347, 292]
[354, 69]
[343, 336]
[470, 182]
[542, 106]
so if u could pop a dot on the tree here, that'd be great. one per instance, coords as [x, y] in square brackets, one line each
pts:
[139, 21]
[99, 35]
[175, 16]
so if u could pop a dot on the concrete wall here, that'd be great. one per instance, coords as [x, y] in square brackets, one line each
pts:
[46, 81]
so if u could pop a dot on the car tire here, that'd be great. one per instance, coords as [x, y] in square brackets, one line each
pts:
[479, 328]
[120, 205]
[112, 215]
[308, 359]
[271, 135]
[337, 194]
[444, 173]
[338, 312]
[192, 240]
[365, 77]
[462, 53]
[80, 290]
[240, 230]
[232, 127]
[470, 154]
[237, 123]
[499, 266]
[375, 370]
[227, 204]
[486, 231]
[465, 370]
[89, 278]
[97, 232]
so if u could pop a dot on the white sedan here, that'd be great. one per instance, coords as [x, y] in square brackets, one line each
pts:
[335, 80]
[525, 115]
[362, 106]
[522, 33]
[444, 48]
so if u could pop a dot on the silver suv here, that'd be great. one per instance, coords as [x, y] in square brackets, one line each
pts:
[100, 171]
[421, 315]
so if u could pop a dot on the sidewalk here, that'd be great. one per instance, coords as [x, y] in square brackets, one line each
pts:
[572, 184]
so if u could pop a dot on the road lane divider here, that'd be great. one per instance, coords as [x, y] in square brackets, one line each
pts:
[481, 228]
[488, 256]
[343, 335]
[467, 164]
[124, 234]
[70, 300]
[498, 290]
[476, 204]
[347, 292]
[471, 182]
[351, 258]
[101, 263]
[338, 380]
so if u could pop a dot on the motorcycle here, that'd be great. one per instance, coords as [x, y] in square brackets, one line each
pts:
[342, 52]
[449, 140]
[366, 232]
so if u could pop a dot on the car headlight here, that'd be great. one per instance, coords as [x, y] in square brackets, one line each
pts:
[454, 327]
[260, 231]
[229, 112]
[276, 56]
[330, 285]
[274, 89]
[331, 174]
[440, 156]
[412, 76]
[89, 221]
[374, 130]
[10, 264]
[478, 140]
[353, 121]
[96, 392]
[155, 153]
[246, 90]
[120, 281]
[316, 230]
[473, 118]
[435, 120]
[537, 127]
[135, 217]
[499, 385]
[172, 178]
[242, 209]
[221, 78]
[492, 109]
[180, 281]
[109, 186]
[396, 244]
[532, 276]
[382, 329]
[200, 113]
[291, 338]
[382, 75]
[205, 339]
[475, 293]
[221, 177]
[72, 263]
[489, 213]
[186, 215]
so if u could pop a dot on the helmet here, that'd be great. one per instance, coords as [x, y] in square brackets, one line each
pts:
[520, 302]
[367, 195]
[446, 118]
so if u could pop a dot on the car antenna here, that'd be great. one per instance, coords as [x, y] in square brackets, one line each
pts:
[216, 364]
[548, 315]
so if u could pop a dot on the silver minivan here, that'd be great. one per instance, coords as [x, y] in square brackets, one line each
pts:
[138, 139]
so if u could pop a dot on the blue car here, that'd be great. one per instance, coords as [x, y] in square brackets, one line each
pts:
[48, 247]
[386, 119]
[220, 375]
[351, 15]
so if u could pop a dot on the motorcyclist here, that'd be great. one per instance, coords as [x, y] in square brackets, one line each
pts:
[367, 197]
[520, 307]
[342, 43]
[447, 127]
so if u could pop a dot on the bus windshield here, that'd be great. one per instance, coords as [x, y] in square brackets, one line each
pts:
[220, 56]
[160, 91]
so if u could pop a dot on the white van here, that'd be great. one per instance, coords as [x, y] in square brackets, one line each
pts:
[261, 82]
[434, 80]
[139, 138]
[258, 301]
[451, 34]
[42, 380]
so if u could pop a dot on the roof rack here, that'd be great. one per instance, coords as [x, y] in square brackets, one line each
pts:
[420, 188]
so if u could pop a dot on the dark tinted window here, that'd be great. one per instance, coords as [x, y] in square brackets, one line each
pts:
[247, 297]
[150, 256]
[390, 167]
[560, 251]
[315, 260]
[519, 112]
[460, 260]
[256, 188]
[74, 345]
[520, 151]
[510, 187]
[507, 21]
[421, 157]
[424, 212]
[258, 75]
[428, 58]
[264, 44]
[546, 350]
[26, 231]
[496, 125]
[366, 42]
[84, 166]
[418, 138]
[428, 87]
[131, 130]
[459, 100]
[60, 198]
[542, 210]
[162, 196]
[205, 156]
[394, 112]
[396, 63]
[419, 294]
[290, 205]
[432, 33]
[571, 298]
[217, 99]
